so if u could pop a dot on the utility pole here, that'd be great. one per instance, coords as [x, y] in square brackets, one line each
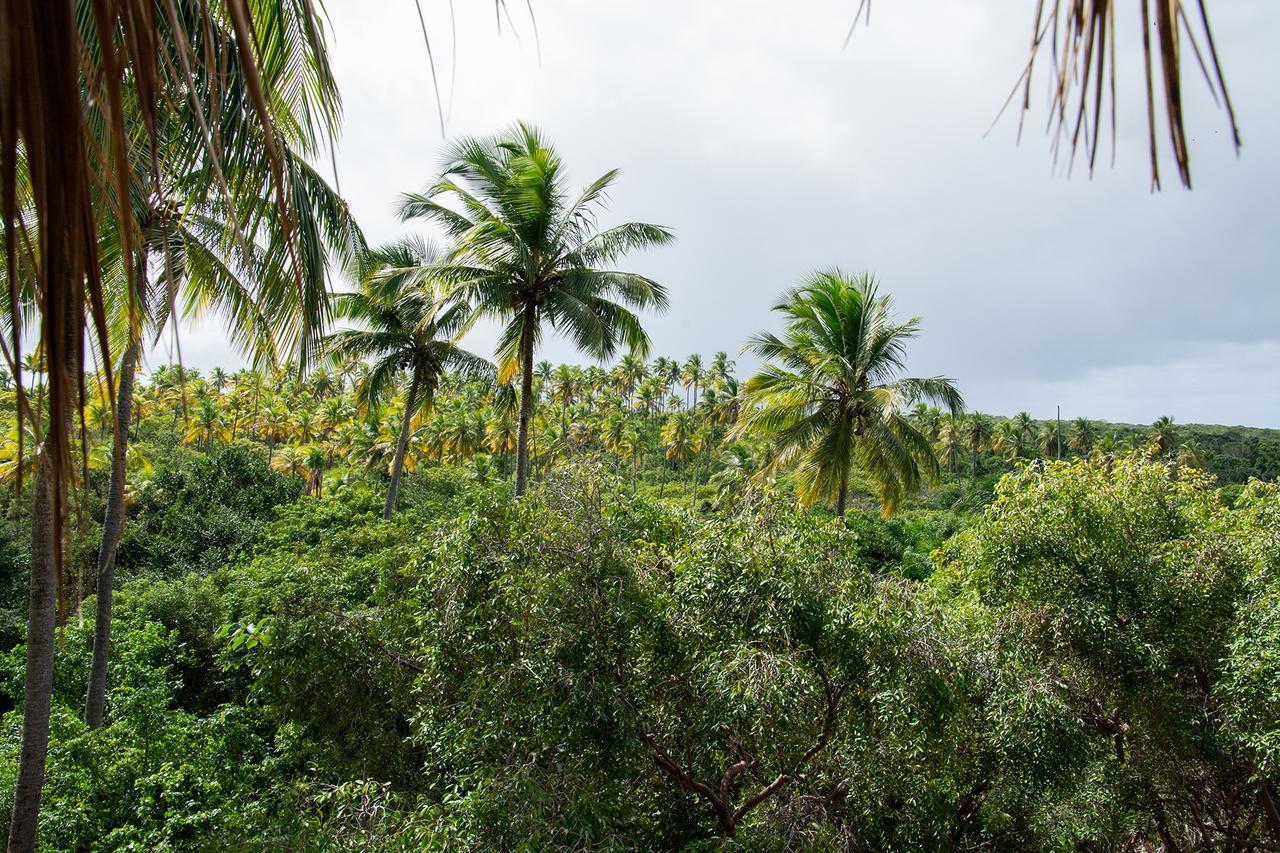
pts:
[1059, 432]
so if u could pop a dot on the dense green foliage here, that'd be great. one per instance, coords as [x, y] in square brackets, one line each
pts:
[194, 515]
[794, 612]
[1089, 662]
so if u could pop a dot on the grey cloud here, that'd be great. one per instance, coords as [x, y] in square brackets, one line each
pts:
[744, 127]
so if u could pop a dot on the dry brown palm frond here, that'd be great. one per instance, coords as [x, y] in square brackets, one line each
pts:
[1081, 37]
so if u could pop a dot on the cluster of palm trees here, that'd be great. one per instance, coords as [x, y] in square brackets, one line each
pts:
[964, 438]
[351, 420]
[365, 421]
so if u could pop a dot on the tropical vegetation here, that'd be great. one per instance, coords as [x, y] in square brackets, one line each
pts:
[369, 589]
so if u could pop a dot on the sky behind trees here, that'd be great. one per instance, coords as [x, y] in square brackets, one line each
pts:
[746, 129]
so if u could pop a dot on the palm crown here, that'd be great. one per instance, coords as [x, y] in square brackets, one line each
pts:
[405, 328]
[528, 253]
[830, 393]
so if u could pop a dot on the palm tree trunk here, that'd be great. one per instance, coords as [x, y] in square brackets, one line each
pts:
[402, 443]
[38, 685]
[526, 398]
[112, 521]
[842, 498]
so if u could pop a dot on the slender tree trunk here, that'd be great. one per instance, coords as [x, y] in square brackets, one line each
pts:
[42, 610]
[112, 521]
[402, 443]
[38, 685]
[842, 499]
[1269, 807]
[662, 490]
[526, 397]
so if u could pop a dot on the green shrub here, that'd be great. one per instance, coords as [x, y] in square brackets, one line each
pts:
[194, 515]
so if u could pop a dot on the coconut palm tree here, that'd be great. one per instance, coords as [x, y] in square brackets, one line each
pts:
[630, 371]
[293, 461]
[500, 436]
[254, 252]
[1189, 455]
[405, 329]
[1024, 427]
[680, 440]
[207, 426]
[721, 368]
[529, 254]
[830, 394]
[1107, 446]
[951, 436]
[614, 432]
[690, 375]
[1163, 437]
[978, 433]
[1047, 440]
[1080, 435]
[1005, 441]
[565, 387]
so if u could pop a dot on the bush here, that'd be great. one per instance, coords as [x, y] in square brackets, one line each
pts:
[1121, 582]
[194, 515]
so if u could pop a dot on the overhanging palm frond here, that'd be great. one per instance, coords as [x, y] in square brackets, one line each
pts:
[1081, 38]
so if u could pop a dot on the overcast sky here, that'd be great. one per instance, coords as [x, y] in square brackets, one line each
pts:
[769, 151]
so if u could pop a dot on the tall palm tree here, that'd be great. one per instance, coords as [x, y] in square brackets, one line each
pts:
[207, 426]
[951, 436]
[613, 434]
[565, 387]
[405, 329]
[1189, 455]
[978, 434]
[1163, 437]
[1080, 435]
[500, 436]
[1047, 440]
[690, 376]
[630, 371]
[721, 367]
[830, 394]
[1107, 445]
[529, 254]
[680, 439]
[1005, 441]
[1024, 428]
[203, 249]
